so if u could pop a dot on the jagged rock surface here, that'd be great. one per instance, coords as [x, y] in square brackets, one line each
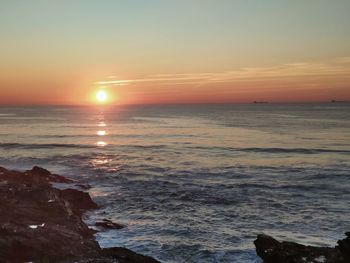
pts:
[273, 251]
[40, 223]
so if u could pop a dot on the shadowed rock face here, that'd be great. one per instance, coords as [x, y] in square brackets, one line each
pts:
[344, 245]
[42, 223]
[273, 251]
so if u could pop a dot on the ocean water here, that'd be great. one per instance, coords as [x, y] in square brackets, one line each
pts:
[196, 183]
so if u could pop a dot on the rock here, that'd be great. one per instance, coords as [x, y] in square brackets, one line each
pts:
[344, 245]
[273, 251]
[33, 229]
[39, 223]
[124, 255]
[78, 200]
[42, 174]
[40, 171]
[105, 223]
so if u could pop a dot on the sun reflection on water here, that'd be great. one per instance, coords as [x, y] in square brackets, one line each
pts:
[101, 124]
[101, 133]
[100, 161]
[101, 143]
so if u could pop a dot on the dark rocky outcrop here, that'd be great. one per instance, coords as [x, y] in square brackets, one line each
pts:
[124, 255]
[40, 223]
[273, 251]
[344, 245]
[39, 174]
[77, 200]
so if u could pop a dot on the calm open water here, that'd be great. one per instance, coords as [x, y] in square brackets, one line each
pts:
[196, 183]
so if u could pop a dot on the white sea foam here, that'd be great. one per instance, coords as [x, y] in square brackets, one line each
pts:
[36, 226]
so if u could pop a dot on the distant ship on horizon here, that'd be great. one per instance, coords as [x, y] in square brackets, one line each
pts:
[338, 101]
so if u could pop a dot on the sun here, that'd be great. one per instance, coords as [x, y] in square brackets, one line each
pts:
[101, 96]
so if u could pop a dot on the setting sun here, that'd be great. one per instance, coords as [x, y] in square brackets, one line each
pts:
[101, 96]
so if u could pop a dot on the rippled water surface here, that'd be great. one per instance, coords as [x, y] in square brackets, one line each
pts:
[196, 183]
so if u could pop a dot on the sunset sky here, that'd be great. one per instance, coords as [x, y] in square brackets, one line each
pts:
[183, 51]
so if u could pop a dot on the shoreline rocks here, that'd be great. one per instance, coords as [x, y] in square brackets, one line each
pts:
[273, 251]
[40, 223]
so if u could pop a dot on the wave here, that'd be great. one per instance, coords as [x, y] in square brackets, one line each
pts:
[275, 150]
[70, 145]
[156, 147]
[7, 114]
[295, 150]
[42, 145]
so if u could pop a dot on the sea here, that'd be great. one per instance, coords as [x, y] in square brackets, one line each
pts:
[196, 183]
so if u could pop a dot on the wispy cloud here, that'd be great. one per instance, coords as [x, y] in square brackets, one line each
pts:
[333, 68]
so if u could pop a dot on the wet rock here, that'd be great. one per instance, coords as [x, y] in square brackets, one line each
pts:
[105, 223]
[273, 251]
[39, 223]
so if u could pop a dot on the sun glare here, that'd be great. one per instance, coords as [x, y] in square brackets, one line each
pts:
[101, 96]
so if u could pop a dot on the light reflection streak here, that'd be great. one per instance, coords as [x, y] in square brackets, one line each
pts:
[101, 133]
[101, 143]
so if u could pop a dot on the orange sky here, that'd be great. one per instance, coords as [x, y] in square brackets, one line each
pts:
[163, 52]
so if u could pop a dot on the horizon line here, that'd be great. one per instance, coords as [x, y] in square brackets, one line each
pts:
[259, 102]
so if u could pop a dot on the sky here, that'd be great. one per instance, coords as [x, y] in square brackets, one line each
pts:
[183, 51]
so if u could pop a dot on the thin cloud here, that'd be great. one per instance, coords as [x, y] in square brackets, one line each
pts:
[333, 68]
